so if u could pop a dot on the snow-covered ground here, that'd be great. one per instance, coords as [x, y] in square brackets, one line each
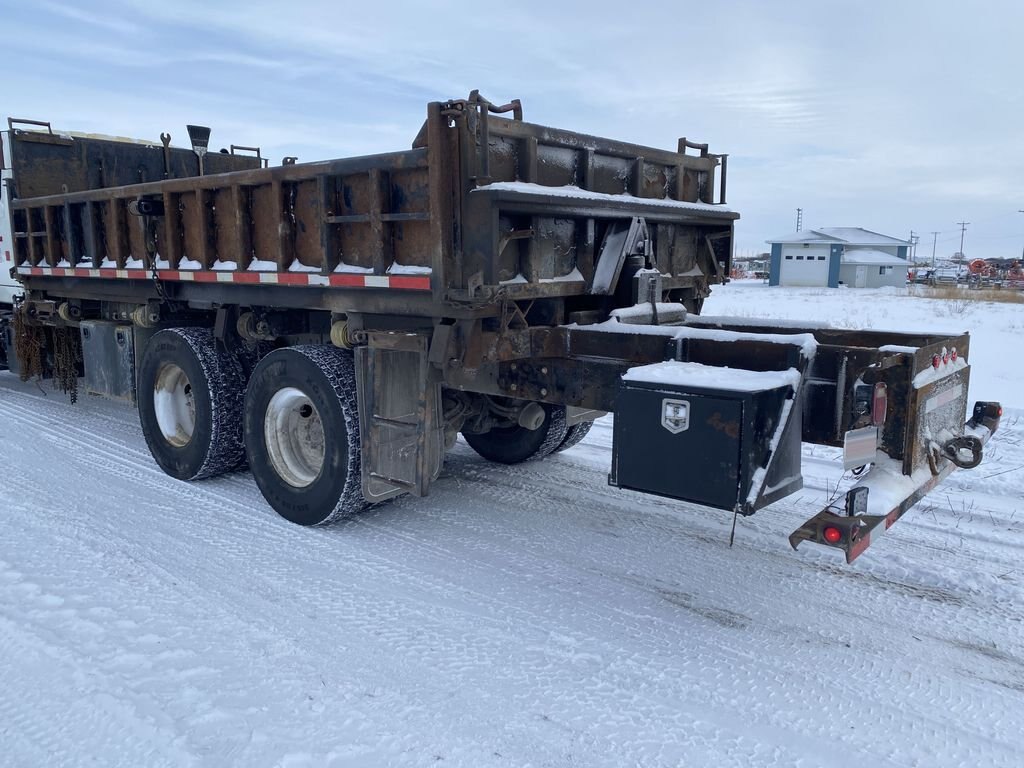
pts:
[518, 616]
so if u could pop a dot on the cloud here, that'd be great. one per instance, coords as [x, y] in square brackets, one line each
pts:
[864, 115]
[114, 24]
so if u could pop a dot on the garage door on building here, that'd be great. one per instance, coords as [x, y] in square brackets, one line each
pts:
[804, 266]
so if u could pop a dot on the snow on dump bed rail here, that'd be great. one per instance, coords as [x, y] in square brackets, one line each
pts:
[684, 375]
[806, 342]
[576, 193]
[753, 322]
[625, 314]
[407, 269]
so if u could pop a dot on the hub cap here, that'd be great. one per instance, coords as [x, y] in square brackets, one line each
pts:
[295, 437]
[175, 405]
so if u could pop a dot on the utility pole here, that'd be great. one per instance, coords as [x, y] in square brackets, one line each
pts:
[799, 219]
[935, 240]
[963, 229]
[1022, 250]
[913, 246]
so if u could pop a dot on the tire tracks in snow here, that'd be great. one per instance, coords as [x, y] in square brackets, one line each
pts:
[559, 591]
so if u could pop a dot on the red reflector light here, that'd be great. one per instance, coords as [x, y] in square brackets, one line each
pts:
[832, 534]
[879, 404]
[952, 354]
[935, 361]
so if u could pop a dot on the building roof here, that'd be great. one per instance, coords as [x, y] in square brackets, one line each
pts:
[872, 257]
[843, 235]
[804, 236]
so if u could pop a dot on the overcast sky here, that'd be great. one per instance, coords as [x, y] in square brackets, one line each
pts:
[894, 116]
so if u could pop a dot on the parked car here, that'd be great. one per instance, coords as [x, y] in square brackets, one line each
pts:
[953, 274]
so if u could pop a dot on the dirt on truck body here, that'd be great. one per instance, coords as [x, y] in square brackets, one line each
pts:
[336, 325]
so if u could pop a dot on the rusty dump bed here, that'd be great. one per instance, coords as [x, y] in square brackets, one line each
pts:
[481, 204]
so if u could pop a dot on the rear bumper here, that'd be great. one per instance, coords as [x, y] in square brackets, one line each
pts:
[884, 494]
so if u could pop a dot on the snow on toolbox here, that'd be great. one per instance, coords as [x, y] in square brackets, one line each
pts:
[336, 325]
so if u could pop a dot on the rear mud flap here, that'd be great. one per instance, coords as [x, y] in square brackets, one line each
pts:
[401, 429]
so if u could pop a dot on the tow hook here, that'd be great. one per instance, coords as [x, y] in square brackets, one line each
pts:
[956, 448]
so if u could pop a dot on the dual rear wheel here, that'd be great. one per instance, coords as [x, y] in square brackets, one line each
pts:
[516, 444]
[294, 421]
[301, 430]
[190, 399]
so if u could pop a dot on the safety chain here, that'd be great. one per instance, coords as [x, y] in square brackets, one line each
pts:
[157, 284]
[67, 354]
[29, 341]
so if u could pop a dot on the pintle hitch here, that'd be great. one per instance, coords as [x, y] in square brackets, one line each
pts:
[954, 451]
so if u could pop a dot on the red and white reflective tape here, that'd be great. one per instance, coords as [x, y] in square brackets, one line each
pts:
[337, 280]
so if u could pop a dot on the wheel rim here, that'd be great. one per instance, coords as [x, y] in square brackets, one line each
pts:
[175, 405]
[294, 434]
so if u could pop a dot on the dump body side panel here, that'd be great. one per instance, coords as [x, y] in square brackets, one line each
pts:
[47, 163]
[538, 203]
[477, 208]
[358, 216]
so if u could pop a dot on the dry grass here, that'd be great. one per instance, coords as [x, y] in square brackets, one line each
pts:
[961, 293]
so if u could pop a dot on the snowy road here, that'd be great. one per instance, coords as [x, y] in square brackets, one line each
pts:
[519, 616]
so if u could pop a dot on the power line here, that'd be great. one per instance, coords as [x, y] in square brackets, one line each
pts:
[995, 237]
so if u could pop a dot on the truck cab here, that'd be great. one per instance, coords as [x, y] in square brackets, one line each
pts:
[8, 285]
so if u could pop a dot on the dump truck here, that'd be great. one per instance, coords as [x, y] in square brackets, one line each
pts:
[335, 326]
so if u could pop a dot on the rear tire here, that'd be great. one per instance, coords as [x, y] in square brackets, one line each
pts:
[574, 435]
[302, 433]
[515, 444]
[190, 395]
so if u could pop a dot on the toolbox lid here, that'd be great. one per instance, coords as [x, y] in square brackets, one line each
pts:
[687, 375]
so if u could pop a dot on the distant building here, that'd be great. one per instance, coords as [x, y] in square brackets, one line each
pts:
[833, 256]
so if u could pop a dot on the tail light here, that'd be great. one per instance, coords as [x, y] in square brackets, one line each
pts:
[831, 534]
[879, 403]
[987, 413]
